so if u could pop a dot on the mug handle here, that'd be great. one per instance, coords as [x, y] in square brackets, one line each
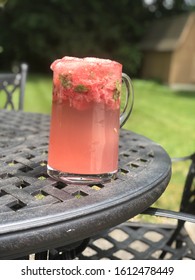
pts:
[129, 99]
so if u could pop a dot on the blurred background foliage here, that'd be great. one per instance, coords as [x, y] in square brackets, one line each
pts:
[40, 31]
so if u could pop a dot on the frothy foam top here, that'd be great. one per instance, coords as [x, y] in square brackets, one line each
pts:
[83, 80]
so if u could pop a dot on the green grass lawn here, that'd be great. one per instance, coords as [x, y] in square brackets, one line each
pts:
[38, 94]
[163, 115]
[167, 117]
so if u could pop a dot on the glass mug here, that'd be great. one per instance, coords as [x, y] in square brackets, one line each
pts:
[86, 118]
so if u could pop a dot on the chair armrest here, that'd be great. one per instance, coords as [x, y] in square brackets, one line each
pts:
[190, 157]
[170, 214]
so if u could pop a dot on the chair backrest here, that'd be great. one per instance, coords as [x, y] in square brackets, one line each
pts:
[188, 197]
[11, 83]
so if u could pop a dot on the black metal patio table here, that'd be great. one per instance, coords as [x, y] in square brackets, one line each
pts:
[38, 213]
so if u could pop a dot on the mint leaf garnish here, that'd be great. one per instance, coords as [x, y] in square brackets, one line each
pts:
[66, 80]
[117, 91]
[81, 88]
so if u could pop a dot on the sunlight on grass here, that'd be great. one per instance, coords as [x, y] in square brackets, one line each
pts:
[165, 116]
[168, 118]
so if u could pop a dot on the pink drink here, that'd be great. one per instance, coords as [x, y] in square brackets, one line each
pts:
[85, 118]
[85, 142]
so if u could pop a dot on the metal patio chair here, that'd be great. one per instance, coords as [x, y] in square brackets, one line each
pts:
[10, 83]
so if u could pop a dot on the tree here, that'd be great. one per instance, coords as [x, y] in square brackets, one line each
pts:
[40, 31]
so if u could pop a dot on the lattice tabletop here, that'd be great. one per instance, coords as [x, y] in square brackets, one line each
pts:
[38, 213]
